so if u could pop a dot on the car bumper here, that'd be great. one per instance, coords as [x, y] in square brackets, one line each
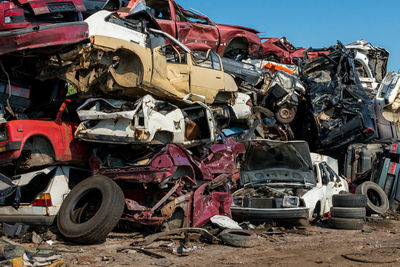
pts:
[43, 36]
[9, 151]
[28, 219]
[272, 213]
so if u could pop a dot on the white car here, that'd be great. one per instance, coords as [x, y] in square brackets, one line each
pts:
[283, 180]
[36, 197]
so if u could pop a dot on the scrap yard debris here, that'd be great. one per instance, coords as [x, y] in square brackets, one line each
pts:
[146, 116]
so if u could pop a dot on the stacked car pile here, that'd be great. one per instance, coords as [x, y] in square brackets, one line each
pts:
[115, 119]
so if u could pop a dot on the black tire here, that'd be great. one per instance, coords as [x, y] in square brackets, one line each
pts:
[377, 201]
[346, 223]
[352, 213]
[78, 222]
[349, 200]
[238, 238]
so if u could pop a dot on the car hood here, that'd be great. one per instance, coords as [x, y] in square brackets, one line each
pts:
[277, 162]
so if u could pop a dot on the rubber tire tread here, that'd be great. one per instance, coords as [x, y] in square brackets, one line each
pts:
[371, 208]
[238, 238]
[103, 222]
[346, 223]
[351, 213]
[349, 200]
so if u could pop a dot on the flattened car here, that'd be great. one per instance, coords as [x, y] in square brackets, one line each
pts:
[116, 67]
[147, 121]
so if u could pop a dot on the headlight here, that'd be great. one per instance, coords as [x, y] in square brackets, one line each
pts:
[290, 202]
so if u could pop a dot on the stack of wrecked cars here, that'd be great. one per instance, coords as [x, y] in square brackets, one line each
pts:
[148, 114]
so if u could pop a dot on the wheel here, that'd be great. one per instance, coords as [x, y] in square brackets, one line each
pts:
[346, 223]
[175, 222]
[377, 201]
[316, 216]
[349, 200]
[285, 115]
[91, 210]
[352, 213]
[238, 238]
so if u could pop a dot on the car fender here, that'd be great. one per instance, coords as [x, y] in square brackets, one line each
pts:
[312, 197]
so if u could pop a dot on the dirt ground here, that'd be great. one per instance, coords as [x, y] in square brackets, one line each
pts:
[315, 245]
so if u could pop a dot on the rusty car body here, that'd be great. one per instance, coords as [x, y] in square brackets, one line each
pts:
[42, 140]
[148, 121]
[199, 32]
[171, 186]
[112, 66]
[281, 50]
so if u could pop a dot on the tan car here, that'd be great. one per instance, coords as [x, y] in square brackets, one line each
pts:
[118, 67]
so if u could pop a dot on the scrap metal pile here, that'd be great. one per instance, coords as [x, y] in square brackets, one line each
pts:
[141, 116]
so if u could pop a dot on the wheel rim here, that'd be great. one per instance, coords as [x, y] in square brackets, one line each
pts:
[86, 206]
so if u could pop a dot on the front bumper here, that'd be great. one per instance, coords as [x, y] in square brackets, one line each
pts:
[28, 219]
[9, 151]
[9, 146]
[271, 213]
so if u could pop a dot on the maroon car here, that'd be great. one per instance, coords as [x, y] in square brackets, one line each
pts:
[282, 51]
[163, 186]
[198, 32]
[32, 24]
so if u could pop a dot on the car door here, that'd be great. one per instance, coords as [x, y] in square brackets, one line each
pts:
[206, 75]
[197, 32]
[329, 187]
[170, 72]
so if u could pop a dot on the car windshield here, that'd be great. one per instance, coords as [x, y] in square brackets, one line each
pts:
[267, 155]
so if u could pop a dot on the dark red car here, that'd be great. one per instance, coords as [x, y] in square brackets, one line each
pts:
[282, 51]
[198, 32]
[180, 186]
[32, 24]
[42, 141]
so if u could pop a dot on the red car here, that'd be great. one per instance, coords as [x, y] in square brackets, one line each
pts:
[32, 24]
[44, 141]
[198, 32]
[282, 51]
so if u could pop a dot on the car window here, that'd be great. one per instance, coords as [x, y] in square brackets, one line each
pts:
[173, 55]
[160, 9]
[206, 60]
[184, 15]
[324, 175]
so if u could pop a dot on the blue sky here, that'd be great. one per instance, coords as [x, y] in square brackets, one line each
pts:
[316, 23]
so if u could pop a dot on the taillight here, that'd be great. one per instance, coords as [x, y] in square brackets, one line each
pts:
[43, 201]
[15, 15]
[249, 103]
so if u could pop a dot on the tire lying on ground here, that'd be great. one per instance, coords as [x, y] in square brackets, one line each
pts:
[91, 210]
[346, 223]
[349, 200]
[352, 213]
[377, 201]
[238, 238]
